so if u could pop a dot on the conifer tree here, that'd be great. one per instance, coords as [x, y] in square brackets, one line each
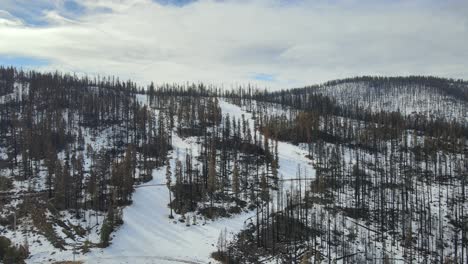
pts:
[212, 177]
[235, 180]
[168, 184]
[265, 190]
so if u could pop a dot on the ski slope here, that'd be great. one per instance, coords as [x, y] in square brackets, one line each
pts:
[290, 156]
[149, 236]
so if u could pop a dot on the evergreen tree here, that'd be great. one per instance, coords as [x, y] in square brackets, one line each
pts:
[168, 184]
[235, 180]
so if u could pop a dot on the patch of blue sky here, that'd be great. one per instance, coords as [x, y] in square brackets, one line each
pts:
[73, 7]
[22, 61]
[264, 77]
[175, 2]
[32, 12]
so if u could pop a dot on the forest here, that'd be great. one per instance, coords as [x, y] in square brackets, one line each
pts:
[358, 170]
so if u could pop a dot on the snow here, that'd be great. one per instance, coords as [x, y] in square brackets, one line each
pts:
[290, 156]
[149, 236]
[42, 251]
[408, 100]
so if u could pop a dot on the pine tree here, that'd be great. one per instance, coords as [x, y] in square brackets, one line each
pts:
[235, 180]
[265, 192]
[168, 184]
[178, 185]
[212, 178]
[59, 187]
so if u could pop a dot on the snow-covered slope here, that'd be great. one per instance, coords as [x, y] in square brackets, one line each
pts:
[430, 97]
[407, 99]
[290, 156]
[149, 236]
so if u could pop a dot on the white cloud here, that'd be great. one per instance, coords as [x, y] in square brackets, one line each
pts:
[6, 19]
[232, 41]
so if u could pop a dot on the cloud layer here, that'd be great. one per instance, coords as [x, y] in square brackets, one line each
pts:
[277, 44]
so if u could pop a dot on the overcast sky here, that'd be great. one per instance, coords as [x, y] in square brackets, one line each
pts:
[271, 43]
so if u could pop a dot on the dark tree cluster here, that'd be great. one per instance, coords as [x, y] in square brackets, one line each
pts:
[84, 143]
[393, 184]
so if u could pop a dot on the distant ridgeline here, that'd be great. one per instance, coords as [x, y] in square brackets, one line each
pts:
[431, 97]
[387, 159]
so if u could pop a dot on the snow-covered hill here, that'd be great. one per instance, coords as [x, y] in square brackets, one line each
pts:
[309, 174]
[411, 96]
[408, 99]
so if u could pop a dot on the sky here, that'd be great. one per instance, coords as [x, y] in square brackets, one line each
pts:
[268, 43]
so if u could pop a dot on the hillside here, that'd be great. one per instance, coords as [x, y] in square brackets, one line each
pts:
[430, 97]
[362, 170]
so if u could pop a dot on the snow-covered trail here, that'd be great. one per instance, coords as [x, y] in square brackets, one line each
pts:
[149, 236]
[290, 156]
